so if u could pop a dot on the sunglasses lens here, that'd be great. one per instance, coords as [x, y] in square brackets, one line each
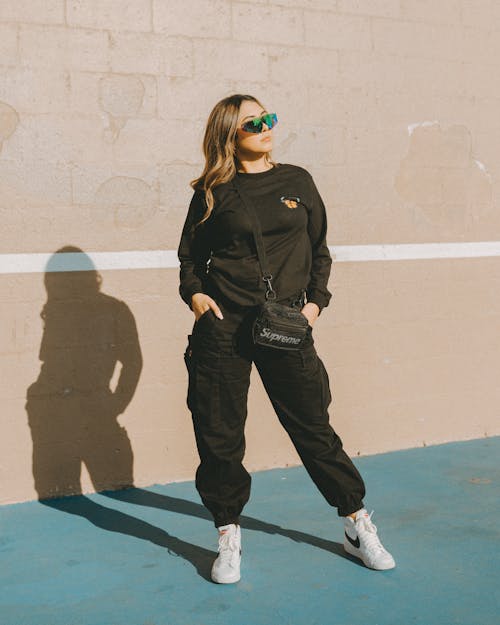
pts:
[256, 125]
[270, 119]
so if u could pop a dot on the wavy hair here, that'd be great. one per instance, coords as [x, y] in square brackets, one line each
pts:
[219, 148]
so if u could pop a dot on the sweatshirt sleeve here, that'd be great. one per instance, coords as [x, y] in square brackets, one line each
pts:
[193, 251]
[317, 290]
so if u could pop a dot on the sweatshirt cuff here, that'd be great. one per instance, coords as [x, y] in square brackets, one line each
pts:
[187, 294]
[316, 297]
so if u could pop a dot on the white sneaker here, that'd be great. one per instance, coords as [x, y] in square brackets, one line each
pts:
[361, 540]
[226, 567]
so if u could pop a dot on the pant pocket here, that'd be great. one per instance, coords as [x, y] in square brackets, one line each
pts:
[208, 314]
[316, 385]
[189, 361]
[188, 352]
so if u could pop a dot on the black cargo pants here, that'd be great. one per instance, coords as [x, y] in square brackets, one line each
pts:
[219, 358]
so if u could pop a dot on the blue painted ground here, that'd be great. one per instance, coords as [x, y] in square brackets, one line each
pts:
[142, 557]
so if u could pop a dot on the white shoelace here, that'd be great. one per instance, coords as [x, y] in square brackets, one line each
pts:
[371, 538]
[228, 545]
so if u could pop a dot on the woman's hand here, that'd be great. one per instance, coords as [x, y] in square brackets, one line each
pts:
[201, 302]
[311, 312]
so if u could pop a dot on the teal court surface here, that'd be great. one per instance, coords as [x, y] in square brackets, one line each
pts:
[143, 556]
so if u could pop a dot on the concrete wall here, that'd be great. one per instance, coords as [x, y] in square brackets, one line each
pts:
[393, 107]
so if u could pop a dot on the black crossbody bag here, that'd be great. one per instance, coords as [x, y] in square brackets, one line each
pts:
[277, 325]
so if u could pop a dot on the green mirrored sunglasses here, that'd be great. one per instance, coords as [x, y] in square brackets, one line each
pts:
[256, 124]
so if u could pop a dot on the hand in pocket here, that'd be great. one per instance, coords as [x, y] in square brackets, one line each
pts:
[202, 303]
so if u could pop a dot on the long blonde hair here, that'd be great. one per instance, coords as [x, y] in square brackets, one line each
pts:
[219, 148]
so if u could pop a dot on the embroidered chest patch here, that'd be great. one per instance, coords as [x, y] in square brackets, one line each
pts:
[290, 200]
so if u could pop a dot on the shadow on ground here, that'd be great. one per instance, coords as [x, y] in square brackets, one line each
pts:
[116, 521]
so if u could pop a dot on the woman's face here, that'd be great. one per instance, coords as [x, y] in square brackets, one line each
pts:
[252, 145]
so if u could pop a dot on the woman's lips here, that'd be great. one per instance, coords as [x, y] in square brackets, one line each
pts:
[266, 139]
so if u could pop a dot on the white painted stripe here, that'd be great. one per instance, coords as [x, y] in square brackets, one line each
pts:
[79, 261]
[167, 259]
[415, 251]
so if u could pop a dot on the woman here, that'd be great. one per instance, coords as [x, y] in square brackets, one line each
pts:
[221, 282]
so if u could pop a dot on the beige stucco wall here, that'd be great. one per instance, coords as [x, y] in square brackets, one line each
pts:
[393, 107]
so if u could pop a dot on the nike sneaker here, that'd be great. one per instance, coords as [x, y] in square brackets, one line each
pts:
[361, 540]
[226, 567]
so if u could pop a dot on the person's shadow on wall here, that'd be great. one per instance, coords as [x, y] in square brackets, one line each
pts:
[72, 412]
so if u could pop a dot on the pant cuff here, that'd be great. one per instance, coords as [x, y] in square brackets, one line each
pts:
[347, 510]
[226, 521]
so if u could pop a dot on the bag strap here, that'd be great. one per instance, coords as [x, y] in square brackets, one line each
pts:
[257, 233]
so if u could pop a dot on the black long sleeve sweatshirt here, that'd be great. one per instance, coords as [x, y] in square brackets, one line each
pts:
[222, 252]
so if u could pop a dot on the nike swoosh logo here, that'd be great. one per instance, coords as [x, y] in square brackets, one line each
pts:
[354, 543]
